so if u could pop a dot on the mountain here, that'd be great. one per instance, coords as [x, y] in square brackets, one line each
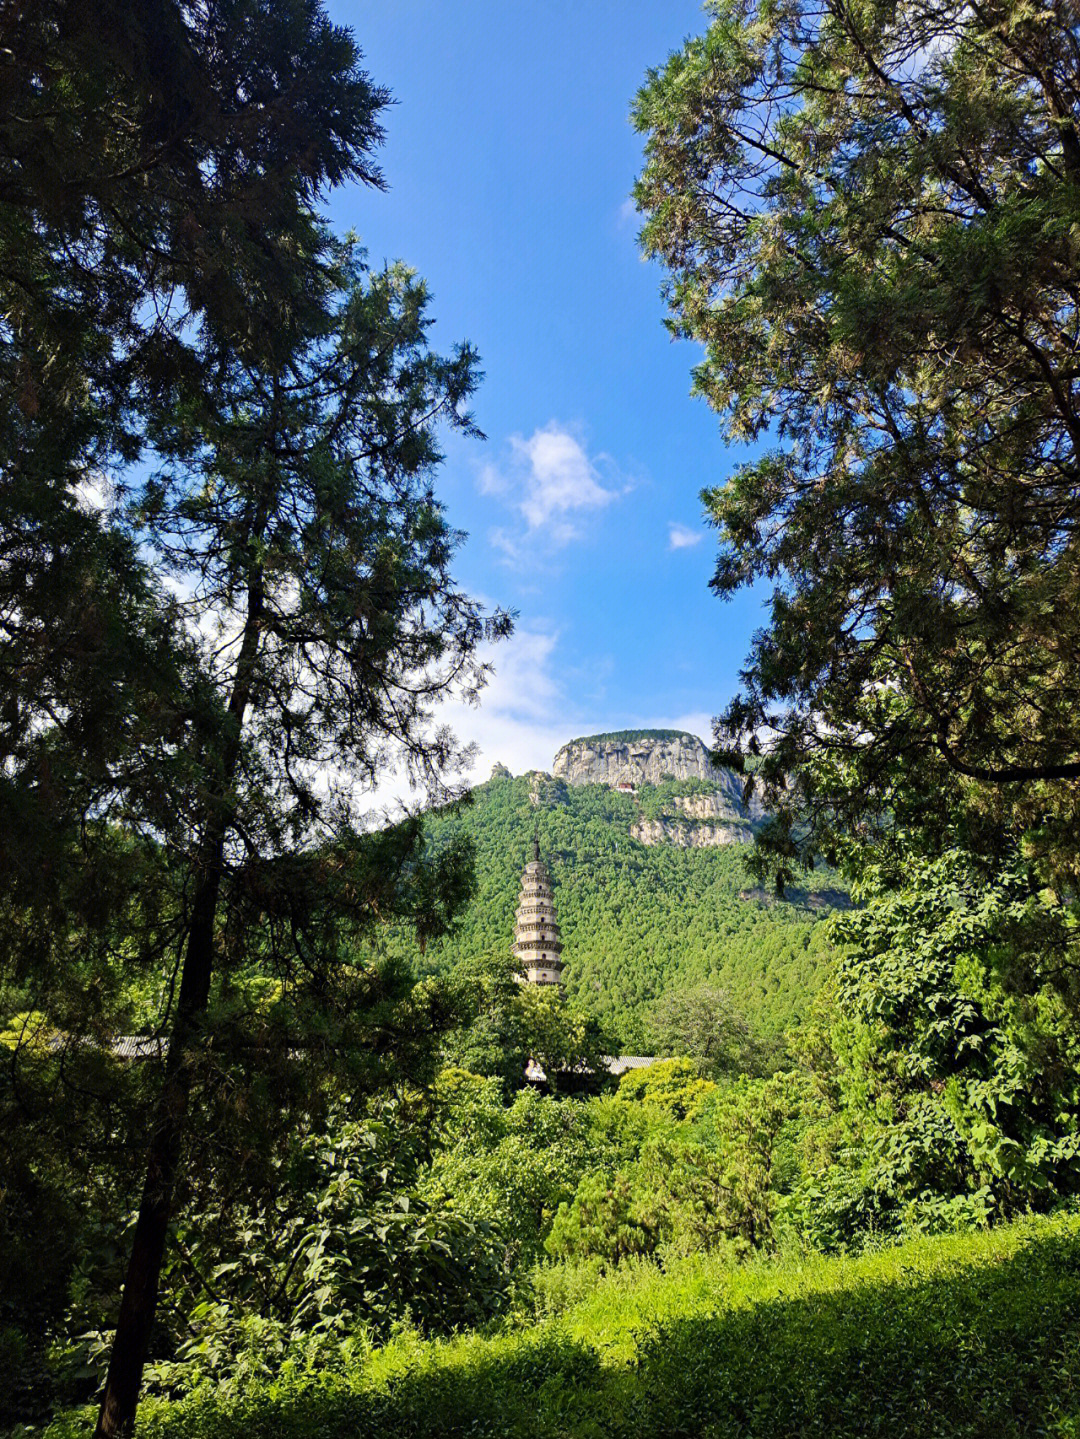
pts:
[691, 802]
[647, 901]
[636, 757]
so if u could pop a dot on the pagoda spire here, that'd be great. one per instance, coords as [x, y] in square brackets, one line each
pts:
[537, 945]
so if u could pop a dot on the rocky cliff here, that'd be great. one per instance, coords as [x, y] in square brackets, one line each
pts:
[726, 801]
[637, 757]
[689, 836]
[712, 812]
[651, 757]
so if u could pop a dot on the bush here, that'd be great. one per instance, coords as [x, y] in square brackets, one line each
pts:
[963, 1337]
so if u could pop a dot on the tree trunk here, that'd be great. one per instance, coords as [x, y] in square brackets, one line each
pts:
[116, 1418]
[139, 1301]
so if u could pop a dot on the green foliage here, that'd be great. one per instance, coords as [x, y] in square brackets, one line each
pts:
[511, 1166]
[491, 1040]
[39, 1227]
[674, 1086]
[680, 1197]
[630, 736]
[261, 1114]
[558, 1034]
[939, 1086]
[962, 1337]
[509, 1023]
[700, 1022]
[345, 1248]
[636, 921]
[750, 1121]
[868, 219]
[957, 1070]
[686, 1187]
[62, 1219]
[144, 205]
[606, 1220]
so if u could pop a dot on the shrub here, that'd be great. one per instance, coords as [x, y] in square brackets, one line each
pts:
[963, 1337]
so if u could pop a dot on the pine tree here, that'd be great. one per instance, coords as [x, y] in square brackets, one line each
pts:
[206, 667]
[868, 215]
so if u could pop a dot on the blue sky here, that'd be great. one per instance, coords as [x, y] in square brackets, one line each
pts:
[510, 158]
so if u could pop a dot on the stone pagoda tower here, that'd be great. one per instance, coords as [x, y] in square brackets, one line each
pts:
[537, 945]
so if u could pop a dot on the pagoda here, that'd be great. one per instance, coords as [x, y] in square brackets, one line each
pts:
[537, 946]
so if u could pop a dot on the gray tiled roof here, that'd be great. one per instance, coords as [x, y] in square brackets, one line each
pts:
[614, 1064]
[624, 1062]
[124, 1046]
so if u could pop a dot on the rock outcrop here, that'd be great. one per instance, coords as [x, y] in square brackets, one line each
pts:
[702, 818]
[710, 812]
[689, 836]
[644, 757]
[544, 788]
[726, 803]
[634, 758]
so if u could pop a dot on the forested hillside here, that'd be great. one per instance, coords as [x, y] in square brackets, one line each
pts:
[636, 921]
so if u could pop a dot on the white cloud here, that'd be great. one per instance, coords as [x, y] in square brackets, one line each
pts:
[529, 709]
[95, 494]
[491, 481]
[682, 537]
[559, 477]
[522, 682]
[524, 715]
[522, 719]
[627, 211]
[551, 481]
[501, 539]
[698, 722]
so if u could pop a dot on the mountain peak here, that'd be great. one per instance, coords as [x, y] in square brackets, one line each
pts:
[634, 757]
[635, 736]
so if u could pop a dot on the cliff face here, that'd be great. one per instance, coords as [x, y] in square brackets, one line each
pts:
[706, 818]
[726, 803]
[689, 836]
[630, 760]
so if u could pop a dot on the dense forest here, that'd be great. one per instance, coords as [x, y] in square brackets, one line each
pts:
[271, 1158]
[636, 921]
[629, 735]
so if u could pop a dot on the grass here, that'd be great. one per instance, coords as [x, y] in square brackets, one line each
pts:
[973, 1335]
